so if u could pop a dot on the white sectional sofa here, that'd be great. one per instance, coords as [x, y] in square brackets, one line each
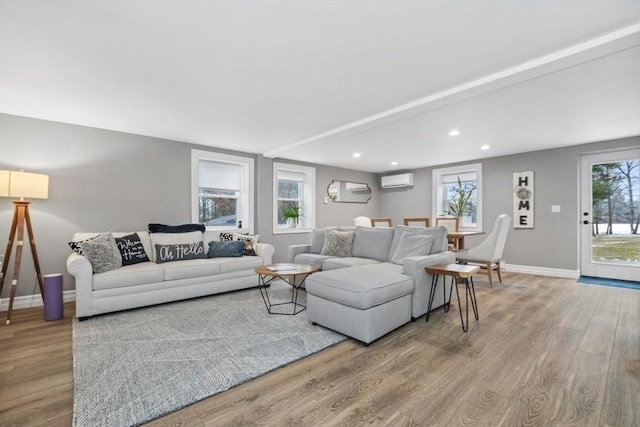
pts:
[380, 285]
[149, 283]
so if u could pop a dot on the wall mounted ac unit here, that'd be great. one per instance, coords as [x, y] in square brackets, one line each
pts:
[397, 181]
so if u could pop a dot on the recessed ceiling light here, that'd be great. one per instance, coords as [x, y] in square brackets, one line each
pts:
[394, 163]
[356, 155]
[454, 132]
[485, 147]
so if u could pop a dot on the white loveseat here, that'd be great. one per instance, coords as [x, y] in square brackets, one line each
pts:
[149, 283]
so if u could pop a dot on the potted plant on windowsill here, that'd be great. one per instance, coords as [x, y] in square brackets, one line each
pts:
[292, 213]
[459, 201]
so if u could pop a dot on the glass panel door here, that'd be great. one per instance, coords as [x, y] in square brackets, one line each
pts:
[610, 215]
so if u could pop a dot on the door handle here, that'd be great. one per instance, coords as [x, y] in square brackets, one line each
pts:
[585, 222]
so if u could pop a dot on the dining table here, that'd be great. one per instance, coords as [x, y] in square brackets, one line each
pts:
[458, 237]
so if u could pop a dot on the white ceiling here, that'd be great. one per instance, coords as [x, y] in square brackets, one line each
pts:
[316, 81]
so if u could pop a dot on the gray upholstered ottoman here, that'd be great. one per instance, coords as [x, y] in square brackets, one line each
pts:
[361, 302]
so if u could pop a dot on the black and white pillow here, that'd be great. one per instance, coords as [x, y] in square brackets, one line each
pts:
[179, 252]
[226, 237]
[131, 249]
[77, 246]
[250, 242]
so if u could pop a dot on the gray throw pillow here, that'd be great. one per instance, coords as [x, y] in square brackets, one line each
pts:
[102, 252]
[337, 243]
[225, 249]
[373, 243]
[412, 245]
[179, 252]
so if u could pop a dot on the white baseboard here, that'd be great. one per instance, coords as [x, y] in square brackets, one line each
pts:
[28, 301]
[67, 296]
[542, 271]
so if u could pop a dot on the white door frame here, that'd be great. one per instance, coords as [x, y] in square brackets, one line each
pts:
[587, 266]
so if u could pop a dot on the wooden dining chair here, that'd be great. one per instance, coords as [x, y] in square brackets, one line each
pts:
[381, 222]
[452, 224]
[414, 221]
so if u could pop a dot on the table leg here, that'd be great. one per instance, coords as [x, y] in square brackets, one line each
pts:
[432, 294]
[474, 301]
[469, 293]
[264, 284]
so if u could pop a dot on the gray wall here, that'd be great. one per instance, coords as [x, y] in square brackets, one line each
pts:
[553, 243]
[103, 180]
[326, 214]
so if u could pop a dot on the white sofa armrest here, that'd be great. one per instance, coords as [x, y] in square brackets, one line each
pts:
[414, 267]
[297, 249]
[80, 268]
[266, 251]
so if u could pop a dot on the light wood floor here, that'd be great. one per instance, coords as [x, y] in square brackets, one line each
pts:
[546, 352]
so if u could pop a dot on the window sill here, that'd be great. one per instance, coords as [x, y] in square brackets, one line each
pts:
[292, 230]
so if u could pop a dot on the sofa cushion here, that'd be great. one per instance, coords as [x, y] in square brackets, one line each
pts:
[228, 265]
[225, 249]
[372, 243]
[311, 259]
[439, 237]
[130, 275]
[412, 245]
[191, 268]
[173, 239]
[335, 263]
[180, 252]
[361, 287]
[131, 249]
[337, 243]
[102, 252]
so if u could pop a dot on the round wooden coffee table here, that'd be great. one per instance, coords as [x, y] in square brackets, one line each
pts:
[287, 273]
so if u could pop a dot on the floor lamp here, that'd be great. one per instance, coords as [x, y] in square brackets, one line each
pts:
[21, 185]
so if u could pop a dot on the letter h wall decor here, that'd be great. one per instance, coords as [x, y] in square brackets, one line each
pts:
[523, 199]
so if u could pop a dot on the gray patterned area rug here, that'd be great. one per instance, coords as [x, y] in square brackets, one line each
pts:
[134, 366]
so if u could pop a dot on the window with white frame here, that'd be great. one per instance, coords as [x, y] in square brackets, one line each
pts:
[222, 190]
[294, 198]
[452, 184]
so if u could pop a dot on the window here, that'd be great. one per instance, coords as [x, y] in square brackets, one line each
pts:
[294, 198]
[222, 190]
[452, 184]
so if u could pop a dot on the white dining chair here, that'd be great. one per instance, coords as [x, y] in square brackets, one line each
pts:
[363, 221]
[488, 253]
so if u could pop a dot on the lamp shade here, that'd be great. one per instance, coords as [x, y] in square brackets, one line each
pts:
[4, 183]
[24, 184]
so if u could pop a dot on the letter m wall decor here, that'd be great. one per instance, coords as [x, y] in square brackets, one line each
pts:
[523, 199]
